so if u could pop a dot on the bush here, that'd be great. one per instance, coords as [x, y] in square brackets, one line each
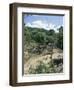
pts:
[46, 68]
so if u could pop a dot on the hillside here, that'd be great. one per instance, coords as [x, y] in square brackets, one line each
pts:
[41, 46]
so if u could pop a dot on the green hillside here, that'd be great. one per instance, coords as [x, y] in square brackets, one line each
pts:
[43, 50]
[34, 37]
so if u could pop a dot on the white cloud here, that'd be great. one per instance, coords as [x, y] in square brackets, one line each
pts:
[42, 24]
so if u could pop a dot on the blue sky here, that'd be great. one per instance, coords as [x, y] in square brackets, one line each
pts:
[43, 21]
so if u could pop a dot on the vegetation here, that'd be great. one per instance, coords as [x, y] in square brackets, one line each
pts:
[46, 68]
[42, 42]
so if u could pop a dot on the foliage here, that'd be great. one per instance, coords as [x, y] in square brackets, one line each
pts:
[60, 38]
[35, 37]
[47, 68]
[38, 41]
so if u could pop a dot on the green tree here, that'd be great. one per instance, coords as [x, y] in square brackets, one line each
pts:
[51, 32]
[27, 36]
[60, 38]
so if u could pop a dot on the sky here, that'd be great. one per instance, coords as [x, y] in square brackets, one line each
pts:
[43, 21]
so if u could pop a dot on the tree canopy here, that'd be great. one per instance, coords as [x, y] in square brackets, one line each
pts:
[43, 37]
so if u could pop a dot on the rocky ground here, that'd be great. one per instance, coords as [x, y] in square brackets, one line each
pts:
[44, 64]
